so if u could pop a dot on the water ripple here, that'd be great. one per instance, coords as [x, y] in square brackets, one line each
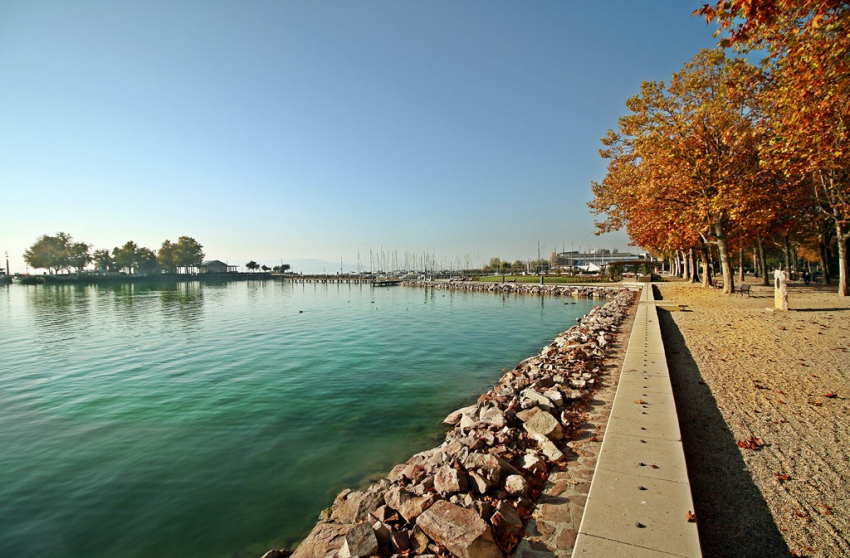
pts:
[198, 420]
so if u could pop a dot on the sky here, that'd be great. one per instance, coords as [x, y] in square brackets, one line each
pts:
[282, 131]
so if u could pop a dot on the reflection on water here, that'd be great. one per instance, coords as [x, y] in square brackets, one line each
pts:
[185, 301]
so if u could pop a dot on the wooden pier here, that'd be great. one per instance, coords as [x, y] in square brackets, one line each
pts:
[328, 279]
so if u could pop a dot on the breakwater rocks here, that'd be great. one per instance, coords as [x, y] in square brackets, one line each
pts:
[471, 496]
[519, 288]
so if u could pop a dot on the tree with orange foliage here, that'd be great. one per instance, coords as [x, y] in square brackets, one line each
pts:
[684, 165]
[808, 101]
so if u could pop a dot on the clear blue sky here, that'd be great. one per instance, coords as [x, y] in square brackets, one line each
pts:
[284, 129]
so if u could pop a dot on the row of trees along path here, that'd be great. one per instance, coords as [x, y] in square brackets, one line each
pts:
[60, 253]
[730, 155]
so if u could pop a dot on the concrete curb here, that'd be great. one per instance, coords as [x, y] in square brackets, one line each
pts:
[640, 497]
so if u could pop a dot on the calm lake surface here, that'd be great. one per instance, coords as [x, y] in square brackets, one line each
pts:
[217, 420]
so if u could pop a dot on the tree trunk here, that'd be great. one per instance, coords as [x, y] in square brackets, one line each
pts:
[762, 262]
[756, 266]
[786, 248]
[795, 258]
[824, 261]
[725, 264]
[741, 264]
[706, 271]
[842, 240]
[686, 270]
[694, 267]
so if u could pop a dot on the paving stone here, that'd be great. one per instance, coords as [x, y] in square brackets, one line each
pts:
[566, 540]
[578, 500]
[557, 513]
[545, 528]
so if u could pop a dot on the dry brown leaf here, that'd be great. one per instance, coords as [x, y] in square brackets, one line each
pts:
[753, 443]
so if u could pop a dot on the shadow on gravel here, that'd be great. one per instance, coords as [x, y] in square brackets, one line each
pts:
[732, 517]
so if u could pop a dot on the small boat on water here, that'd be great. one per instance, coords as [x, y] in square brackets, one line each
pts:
[386, 282]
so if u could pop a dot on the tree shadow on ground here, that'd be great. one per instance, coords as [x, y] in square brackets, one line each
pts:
[732, 516]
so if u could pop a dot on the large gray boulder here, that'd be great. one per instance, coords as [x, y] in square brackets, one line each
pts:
[449, 480]
[407, 504]
[460, 530]
[360, 542]
[545, 424]
[324, 541]
[355, 507]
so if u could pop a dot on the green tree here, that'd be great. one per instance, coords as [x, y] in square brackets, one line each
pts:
[146, 260]
[125, 256]
[252, 265]
[167, 257]
[49, 252]
[285, 267]
[188, 252]
[79, 255]
[103, 260]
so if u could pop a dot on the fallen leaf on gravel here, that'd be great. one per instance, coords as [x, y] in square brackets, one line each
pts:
[826, 509]
[781, 328]
[831, 395]
[782, 477]
[691, 517]
[640, 401]
[701, 382]
[815, 403]
[593, 439]
[654, 466]
[753, 443]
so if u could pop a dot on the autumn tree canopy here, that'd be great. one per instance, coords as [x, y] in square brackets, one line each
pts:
[807, 100]
[684, 164]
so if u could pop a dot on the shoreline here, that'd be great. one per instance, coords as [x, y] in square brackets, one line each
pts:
[479, 487]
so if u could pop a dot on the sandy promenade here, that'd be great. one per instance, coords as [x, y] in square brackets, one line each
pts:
[778, 382]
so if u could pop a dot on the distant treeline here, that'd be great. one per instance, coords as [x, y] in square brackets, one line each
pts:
[59, 253]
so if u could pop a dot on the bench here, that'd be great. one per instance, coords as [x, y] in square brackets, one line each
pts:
[743, 288]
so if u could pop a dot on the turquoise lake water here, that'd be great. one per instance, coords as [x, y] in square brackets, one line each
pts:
[199, 420]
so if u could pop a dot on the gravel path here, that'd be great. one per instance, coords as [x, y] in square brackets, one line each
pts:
[778, 382]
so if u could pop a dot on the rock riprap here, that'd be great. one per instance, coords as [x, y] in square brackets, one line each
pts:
[471, 496]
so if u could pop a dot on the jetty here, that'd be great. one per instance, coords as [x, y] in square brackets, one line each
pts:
[350, 279]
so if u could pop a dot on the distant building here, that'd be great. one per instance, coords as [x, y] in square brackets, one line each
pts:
[598, 259]
[217, 266]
